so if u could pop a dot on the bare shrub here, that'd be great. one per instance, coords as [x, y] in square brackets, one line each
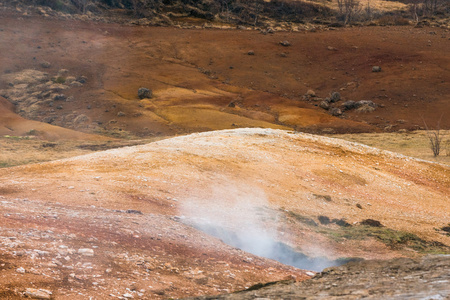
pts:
[435, 137]
[349, 10]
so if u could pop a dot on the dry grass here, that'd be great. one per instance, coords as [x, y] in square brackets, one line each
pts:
[415, 144]
[375, 5]
[16, 151]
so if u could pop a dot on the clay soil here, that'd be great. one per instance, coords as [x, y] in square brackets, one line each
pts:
[196, 73]
[137, 211]
[124, 223]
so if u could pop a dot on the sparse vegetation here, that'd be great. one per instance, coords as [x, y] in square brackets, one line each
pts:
[415, 143]
[15, 151]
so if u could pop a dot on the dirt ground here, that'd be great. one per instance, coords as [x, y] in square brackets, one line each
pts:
[204, 79]
[150, 221]
[125, 221]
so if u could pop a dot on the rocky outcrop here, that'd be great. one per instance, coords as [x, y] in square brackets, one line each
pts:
[401, 278]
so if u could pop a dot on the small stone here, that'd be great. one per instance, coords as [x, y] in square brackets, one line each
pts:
[86, 251]
[325, 105]
[128, 295]
[310, 93]
[133, 211]
[20, 270]
[376, 69]
[251, 52]
[285, 43]
[38, 293]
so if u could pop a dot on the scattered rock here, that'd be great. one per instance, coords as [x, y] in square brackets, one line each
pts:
[20, 270]
[59, 97]
[372, 223]
[133, 211]
[324, 104]
[38, 293]
[349, 105]
[86, 251]
[310, 93]
[376, 69]
[285, 43]
[335, 97]
[144, 93]
[335, 111]
[331, 48]
[324, 220]
[341, 222]
[251, 52]
[121, 114]
[365, 109]
[82, 79]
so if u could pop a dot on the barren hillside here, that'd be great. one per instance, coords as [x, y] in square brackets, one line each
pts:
[85, 76]
[149, 221]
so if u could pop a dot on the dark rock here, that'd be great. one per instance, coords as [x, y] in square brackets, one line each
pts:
[82, 79]
[372, 223]
[349, 105]
[251, 52]
[335, 97]
[60, 97]
[376, 69]
[285, 43]
[341, 222]
[335, 111]
[324, 220]
[144, 93]
[133, 211]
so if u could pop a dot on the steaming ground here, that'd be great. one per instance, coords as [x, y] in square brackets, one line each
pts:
[154, 218]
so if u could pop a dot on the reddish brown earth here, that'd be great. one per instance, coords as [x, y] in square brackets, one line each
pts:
[137, 210]
[195, 74]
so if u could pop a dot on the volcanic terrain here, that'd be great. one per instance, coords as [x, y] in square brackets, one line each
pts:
[231, 192]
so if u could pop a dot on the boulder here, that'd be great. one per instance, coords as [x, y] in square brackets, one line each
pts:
[144, 93]
[335, 97]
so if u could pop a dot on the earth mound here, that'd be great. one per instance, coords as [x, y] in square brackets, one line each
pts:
[151, 221]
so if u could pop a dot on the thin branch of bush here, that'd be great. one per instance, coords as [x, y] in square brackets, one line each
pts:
[434, 136]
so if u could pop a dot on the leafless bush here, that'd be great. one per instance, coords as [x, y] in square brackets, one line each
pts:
[435, 137]
[349, 9]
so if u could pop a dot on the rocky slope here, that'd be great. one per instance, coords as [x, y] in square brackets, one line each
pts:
[425, 278]
[151, 221]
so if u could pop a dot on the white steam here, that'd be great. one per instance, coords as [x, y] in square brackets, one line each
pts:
[239, 215]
